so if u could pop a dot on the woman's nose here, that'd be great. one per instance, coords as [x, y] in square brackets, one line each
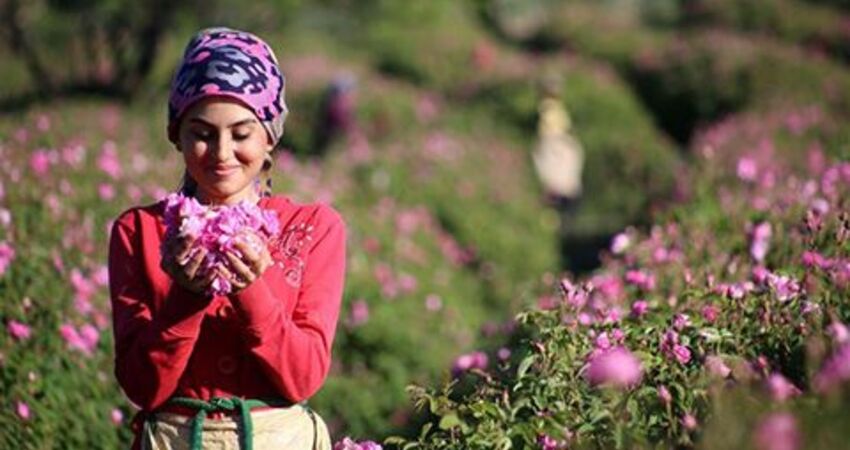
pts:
[222, 147]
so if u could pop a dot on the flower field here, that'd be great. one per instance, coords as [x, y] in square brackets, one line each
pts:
[731, 310]
[698, 296]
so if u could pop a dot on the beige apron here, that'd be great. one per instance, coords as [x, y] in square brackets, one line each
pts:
[294, 428]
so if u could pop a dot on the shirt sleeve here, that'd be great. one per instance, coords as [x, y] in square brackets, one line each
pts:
[294, 351]
[152, 348]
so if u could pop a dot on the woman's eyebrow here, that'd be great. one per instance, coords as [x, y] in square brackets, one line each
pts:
[232, 125]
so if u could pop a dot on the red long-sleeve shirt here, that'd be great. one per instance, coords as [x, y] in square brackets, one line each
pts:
[271, 339]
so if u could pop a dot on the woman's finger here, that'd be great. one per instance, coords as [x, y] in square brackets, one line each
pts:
[203, 283]
[257, 253]
[246, 246]
[241, 269]
[169, 248]
[183, 250]
[250, 256]
[235, 279]
[194, 263]
[171, 240]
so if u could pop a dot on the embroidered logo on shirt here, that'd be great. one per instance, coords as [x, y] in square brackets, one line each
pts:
[287, 249]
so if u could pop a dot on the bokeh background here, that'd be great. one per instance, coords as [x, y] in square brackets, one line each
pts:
[700, 120]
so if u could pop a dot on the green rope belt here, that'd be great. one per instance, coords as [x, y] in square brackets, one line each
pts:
[243, 405]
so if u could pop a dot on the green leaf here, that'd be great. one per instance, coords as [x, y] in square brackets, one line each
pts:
[525, 365]
[711, 335]
[600, 415]
[450, 421]
[425, 429]
[396, 440]
[505, 443]
[585, 428]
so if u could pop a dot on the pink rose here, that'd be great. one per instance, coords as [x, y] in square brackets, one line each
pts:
[19, 330]
[780, 388]
[689, 422]
[777, 431]
[616, 367]
[716, 367]
[682, 353]
[664, 395]
[23, 410]
[639, 308]
[709, 313]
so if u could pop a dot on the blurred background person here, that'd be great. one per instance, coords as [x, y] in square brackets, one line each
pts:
[558, 157]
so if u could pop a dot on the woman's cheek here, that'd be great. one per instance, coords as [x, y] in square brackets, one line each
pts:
[199, 152]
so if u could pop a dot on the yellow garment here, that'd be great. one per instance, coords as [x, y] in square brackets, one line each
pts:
[554, 120]
[279, 428]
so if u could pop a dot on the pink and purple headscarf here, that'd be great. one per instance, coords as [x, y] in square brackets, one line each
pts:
[229, 63]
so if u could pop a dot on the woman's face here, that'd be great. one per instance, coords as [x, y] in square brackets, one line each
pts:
[224, 146]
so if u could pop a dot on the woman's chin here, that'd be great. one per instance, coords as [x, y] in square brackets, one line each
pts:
[225, 192]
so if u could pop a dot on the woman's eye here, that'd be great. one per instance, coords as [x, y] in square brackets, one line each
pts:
[203, 135]
[241, 136]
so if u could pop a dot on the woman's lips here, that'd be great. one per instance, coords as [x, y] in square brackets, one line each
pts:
[223, 170]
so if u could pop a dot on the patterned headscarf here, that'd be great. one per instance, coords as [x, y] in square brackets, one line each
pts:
[234, 64]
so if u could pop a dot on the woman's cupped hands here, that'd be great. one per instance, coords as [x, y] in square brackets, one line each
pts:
[248, 260]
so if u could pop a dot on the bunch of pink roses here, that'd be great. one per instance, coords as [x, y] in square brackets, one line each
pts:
[217, 229]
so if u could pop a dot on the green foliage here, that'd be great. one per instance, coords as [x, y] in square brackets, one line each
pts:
[51, 243]
[428, 43]
[694, 62]
[842, 4]
[672, 81]
[756, 332]
[796, 22]
[629, 168]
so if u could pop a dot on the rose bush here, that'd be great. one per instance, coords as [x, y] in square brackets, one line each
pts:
[740, 289]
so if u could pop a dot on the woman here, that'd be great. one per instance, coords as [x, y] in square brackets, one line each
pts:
[229, 371]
